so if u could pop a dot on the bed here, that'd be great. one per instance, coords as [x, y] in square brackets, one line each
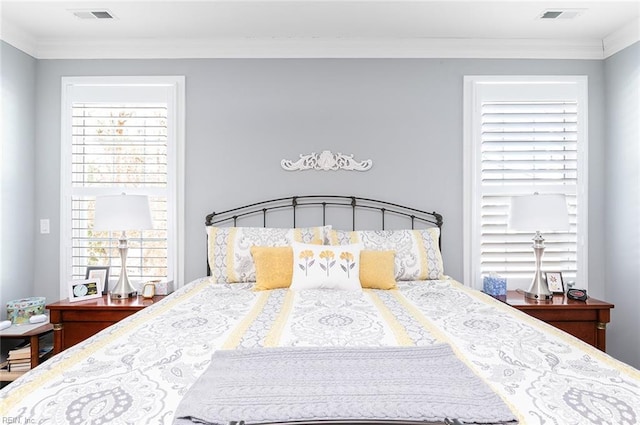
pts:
[143, 368]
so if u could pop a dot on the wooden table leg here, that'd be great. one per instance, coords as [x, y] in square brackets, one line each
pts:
[601, 335]
[58, 337]
[604, 316]
[34, 342]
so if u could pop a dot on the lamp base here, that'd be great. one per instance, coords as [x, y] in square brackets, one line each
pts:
[123, 288]
[120, 296]
[538, 297]
[539, 290]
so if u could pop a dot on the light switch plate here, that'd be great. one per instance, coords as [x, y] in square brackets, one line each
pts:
[44, 226]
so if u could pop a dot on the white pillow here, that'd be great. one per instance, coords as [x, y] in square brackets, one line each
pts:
[326, 267]
[417, 251]
[229, 250]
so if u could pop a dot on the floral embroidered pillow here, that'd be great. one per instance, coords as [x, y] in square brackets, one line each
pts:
[326, 267]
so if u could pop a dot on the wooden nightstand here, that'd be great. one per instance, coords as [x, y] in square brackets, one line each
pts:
[33, 336]
[74, 322]
[586, 320]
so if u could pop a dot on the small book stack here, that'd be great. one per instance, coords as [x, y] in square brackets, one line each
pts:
[19, 359]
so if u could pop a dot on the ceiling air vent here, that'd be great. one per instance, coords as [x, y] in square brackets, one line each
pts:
[560, 14]
[92, 14]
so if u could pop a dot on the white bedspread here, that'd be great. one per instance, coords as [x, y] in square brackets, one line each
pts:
[138, 370]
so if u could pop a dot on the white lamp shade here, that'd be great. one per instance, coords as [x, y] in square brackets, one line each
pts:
[122, 212]
[539, 213]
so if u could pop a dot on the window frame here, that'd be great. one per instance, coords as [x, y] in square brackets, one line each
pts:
[73, 89]
[474, 89]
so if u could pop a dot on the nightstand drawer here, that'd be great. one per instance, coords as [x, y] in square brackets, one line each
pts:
[75, 332]
[587, 332]
[84, 316]
[586, 320]
[560, 315]
[73, 322]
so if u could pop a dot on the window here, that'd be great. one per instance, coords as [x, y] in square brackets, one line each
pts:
[523, 135]
[122, 135]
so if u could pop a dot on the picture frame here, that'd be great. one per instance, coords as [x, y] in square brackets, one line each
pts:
[148, 290]
[99, 272]
[87, 289]
[555, 282]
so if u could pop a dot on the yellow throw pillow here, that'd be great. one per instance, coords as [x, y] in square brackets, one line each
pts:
[229, 252]
[377, 269]
[274, 266]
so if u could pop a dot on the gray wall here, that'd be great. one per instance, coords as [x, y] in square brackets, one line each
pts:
[622, 170]
[17, 171]
[244, 116]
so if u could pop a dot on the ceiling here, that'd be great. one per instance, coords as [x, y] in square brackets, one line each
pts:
[335, 28]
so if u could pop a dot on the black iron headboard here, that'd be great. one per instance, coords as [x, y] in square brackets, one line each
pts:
[231, 217]
[410, 217]
[293, 206]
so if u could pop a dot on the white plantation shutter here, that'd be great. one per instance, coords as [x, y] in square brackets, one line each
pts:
[120, 135]
[524, 141]
[526, 145]
[123, 146]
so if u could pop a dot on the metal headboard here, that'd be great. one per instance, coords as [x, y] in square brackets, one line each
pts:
[414, 217]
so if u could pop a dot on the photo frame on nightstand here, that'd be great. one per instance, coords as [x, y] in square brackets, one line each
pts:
[99, 272]
[87, 289]
[555, 282]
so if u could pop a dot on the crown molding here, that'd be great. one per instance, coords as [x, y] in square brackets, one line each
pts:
[314, 48]
[18, 38]
[622, 38]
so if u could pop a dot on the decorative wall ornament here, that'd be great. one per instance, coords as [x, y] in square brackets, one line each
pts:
[326, 160]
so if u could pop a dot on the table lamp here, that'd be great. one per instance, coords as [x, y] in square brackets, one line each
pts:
[539, 213]
[122, 213]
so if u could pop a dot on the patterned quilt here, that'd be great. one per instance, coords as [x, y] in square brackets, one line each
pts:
[138, 370]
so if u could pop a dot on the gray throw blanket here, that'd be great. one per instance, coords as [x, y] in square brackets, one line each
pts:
[269, 385]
